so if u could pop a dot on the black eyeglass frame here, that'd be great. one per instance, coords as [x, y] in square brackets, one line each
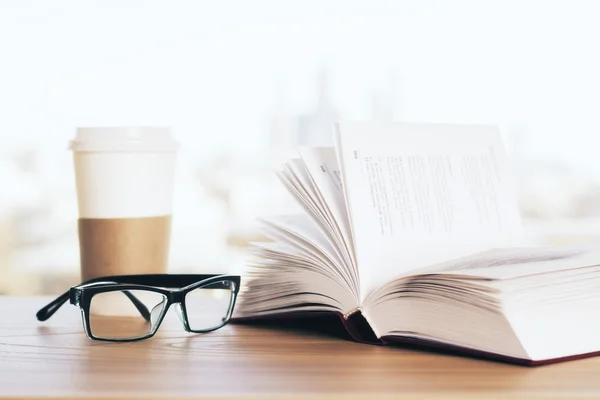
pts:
[81, 295]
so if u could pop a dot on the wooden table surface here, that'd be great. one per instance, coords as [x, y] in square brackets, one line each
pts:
[56, 359]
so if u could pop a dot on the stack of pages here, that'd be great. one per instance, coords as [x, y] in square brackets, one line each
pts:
[411, 234]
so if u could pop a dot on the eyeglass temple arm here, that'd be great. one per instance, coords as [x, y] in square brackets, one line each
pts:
[47, 311]
[52, 307]
[138, 304]
[162, 280]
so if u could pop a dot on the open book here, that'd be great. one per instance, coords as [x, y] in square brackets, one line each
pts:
[411, 234]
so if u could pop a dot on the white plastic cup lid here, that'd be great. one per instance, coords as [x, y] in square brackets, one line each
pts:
[124, 139]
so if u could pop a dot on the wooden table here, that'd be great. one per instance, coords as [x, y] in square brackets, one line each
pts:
[56, 359]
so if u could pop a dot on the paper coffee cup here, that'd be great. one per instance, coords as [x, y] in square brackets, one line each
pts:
[124, 178]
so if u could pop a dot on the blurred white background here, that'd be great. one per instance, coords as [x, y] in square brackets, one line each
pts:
[241, 82]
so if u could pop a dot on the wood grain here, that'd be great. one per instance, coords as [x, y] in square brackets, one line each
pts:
[55, 358]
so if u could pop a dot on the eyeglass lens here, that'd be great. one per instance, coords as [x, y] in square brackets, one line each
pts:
[208, 307]
[125, 314]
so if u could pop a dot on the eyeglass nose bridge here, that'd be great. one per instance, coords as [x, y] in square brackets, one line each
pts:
[176, 297]
[179, 312]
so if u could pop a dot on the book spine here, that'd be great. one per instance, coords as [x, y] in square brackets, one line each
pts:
[359, 328]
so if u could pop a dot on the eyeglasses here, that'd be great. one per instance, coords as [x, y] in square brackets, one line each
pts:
[127, 308]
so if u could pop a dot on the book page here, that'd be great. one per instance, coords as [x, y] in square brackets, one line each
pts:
[508, 263]
[299, 230]
[322, 165]
[317, 195]
[419, 194]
